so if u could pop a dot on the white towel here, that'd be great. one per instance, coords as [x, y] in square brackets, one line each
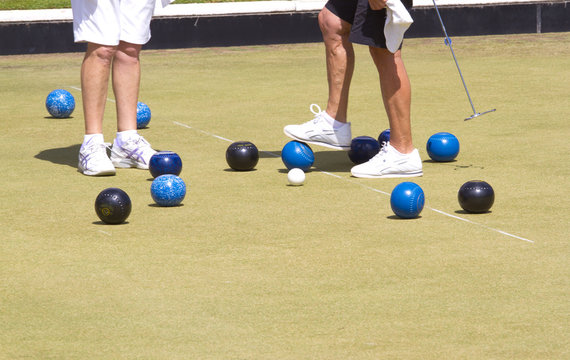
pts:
[164, 3]
[398, 20]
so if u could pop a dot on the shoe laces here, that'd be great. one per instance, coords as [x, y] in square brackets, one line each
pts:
[318, 113]
[135, 147]
[382, 154]
[94, 151]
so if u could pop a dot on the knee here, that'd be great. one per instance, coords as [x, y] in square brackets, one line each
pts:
[331, 25]
[102, 53]
[325, 23]
[128, 53]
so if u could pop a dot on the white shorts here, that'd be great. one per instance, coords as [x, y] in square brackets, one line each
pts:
[110, 21]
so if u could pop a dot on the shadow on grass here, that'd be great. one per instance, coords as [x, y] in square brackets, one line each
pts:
[104, 223]
[333, 161]
[452, 164]
[286, 171]
[330, 161]
[160, 206]
[55, 118]
[463, 212]
[62, 156]
[395, 217]
[239, 171]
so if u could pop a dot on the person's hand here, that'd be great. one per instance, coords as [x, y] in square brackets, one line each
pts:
[377, 4]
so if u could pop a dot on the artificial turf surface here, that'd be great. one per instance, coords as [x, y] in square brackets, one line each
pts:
[250, 268]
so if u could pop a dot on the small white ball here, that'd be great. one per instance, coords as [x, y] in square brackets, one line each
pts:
[296, 176]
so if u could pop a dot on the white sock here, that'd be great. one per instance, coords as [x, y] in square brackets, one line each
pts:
[394, 150]
[93, 139]
[398, 152]
[123, 136]
[335, 124]
[338, 124]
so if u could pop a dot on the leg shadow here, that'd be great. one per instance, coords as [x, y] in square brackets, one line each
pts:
[333, 161]
[61, 156]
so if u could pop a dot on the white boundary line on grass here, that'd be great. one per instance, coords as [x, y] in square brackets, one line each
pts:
[444, 213]
[347, 180]
[367, 187]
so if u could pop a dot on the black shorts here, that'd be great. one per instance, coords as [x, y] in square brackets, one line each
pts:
[367, 24]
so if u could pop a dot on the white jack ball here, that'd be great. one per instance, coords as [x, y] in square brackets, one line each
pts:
[296, 177]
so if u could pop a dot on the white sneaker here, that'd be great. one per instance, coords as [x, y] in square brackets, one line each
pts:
[390, 163]
[135, 152]
[93, 160]
[320, 132]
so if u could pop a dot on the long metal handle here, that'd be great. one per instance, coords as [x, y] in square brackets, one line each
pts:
[448, 43]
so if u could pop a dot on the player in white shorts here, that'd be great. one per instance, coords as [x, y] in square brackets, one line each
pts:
[115, 31]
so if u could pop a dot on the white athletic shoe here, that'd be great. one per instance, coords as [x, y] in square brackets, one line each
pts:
[390, 163]
[320, 132]
[135, 152]
[93, 160]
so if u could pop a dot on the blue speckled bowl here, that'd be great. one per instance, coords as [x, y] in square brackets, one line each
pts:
[60, 103]
[168, 190]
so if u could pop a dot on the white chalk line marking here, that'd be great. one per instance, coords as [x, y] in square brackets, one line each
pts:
[443, 212]
[218, 137]
[342, 178]
[104, 232]
[479, 224]
[374, 189]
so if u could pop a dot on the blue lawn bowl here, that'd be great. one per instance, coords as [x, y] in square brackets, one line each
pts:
[165, 162]
[143, 115]
[384, 137]
[442, 147]
[407, 200]
[168, 190]
[296, 154]
[362, 149]
[60, 103]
